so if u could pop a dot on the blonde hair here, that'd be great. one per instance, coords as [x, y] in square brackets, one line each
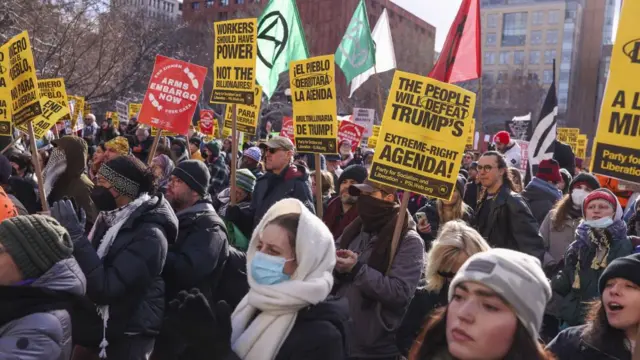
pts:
[454, 240]
[459, 209]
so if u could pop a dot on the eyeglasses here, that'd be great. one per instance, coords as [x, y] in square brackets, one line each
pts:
[485, 168]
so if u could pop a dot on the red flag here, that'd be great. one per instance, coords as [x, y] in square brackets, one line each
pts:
[460, 57]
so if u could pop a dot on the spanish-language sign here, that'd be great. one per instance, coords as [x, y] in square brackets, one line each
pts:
[52, 112]
[234, 64]
[172, 95]
[55, 90]
[352, 132]
[375, 131]
[134, 110]
[226, 133]
[246, 115]
[364, 118]
[287, 127]
[76, 107]
[122, 108]
[207, 121]
[470, 134]
[23, 84]
[5, 95]
[581, 147]
[423, 135]
[313, 94]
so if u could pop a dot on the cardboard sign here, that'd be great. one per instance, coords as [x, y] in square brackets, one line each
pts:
[134, 110]
[76, 108]
[23, 83]
[352, 132]
[581, 147]
[234, 62]
[172, 95]
[122, 109]
[375, 131]
[246, 115]
[55, 90]
[364, 118]
[114, 116]
[313, 95]
[423, 135]
[52, 112]
[287, 127]
[207, 121]
[372, 142]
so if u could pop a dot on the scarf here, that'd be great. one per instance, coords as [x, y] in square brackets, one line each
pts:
[165, 163]
[56, 166]
[336, 220]
[375, 216]
[19, 301]
[114, 220]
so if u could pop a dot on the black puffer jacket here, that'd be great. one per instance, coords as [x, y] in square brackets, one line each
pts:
[570, 344]
[128, 278]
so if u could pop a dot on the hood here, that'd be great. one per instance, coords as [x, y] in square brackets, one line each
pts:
[296, 171]
[538, 189]
[65, 275]
[156, 210]
[75, 151]
[200, 206]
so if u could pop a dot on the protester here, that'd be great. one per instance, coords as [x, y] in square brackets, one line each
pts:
[508, 148]
[634, 221]
[503, 217]
[64, 175]
[21, 162]
[106, 132]
[333, 166]
[367, 159]
[194, 148]
[9, 202]
[251, 160]
[473, 187]
[218, 168]
[118, 146]
[144, 142]
[377, 284]
[611, 329]
[90, 129]
[122, 258]
[455, 243]
[162, 167]
[326, 187]
[496, 303]
[516, 179]
[342, 210]
[39, 280]
[179, 150]
[238, 232]
[132, 126]
[599, 239]
[346, 155]
[286, 314]
[97, 159]
[563, 185]
[434, 214]
[564, 155]
[467, 160]
[542, 192]
[122, 128]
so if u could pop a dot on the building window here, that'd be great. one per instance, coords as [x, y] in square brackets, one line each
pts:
[549, 56]
[552, 37]
[536, 37]
[503, 76]
[224, 2]
[518, 57]
[223, 15]
[239, 1]
[547, 77]
[492, 20]
[489, 58]
[487, 77]
[554, 16]
[532, 77]
[504, 57]
[534, 57]
[195, 5]
[514, 29]
[491, 39]
[538, 18]
[209, 3]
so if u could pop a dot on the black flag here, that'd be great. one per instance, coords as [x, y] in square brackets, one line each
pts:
[542, 144]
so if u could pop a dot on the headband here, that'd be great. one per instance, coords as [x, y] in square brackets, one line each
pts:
[122, 184]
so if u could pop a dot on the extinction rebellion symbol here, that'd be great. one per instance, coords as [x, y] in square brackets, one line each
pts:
[273, 32]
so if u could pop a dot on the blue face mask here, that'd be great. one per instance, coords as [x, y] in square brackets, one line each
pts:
[268, 270]
[601, 223]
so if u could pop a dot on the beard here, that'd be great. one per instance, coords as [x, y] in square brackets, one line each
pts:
[348, 199]
[178, 201]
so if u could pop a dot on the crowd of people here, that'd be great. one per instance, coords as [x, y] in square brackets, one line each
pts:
[136, 261]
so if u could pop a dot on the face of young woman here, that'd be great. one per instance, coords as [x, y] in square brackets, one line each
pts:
[621, 300]
[480, 325]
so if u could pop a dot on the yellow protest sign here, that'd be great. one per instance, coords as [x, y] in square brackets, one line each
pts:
[471, 133]
[154, 132]
[313, 95]
[234, 61]
[372, 142]
[226, 133]
[246, 115]
[76, 104]
[55, 90]
[5, 95]
[568, 136]
[114, 116]
[581, 146]
[376, 130]
[52, 112]
[87, 108]
[23, 83]
[616, 147]
[423, 135]
[134, 110]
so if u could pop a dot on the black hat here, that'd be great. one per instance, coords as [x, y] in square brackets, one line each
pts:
[464, 173]
[586, 179]
[332, 157]
[5, 169]
[195, 141]
[473, 166]
[627, 267]
[195, 174]
[353, 172]
[460, 183]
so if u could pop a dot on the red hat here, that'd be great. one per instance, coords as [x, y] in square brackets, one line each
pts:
[549, 170]
[502, 137]
[600, 194]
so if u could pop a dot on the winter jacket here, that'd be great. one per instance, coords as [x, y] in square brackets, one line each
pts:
[513, 155]
[219, 176]
[104, 135]
[510, 224]
[570, 344]
[128, 278]
[44, 335]
[335, 219]
[74, 183]
[556, 242]
[540, 196]
[471, 193]
[378, 302]
[197, 257]
[141, 150]
[431, 210]
[20, 208]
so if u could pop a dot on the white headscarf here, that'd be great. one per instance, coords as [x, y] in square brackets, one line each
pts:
[279, 304]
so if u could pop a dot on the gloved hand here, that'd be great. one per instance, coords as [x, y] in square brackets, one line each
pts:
[70, 216]
[207, 330]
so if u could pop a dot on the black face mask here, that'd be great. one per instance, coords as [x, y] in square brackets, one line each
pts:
[103, 199]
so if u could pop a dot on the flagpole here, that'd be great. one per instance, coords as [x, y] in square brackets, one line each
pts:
[480, 98]
[379, 92]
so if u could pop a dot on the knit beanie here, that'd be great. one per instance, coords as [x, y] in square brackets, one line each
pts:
[213, 147]
[600, 194]
[127, 175]
[35, 243]
[195, 174]
[358, 173]
[502, 137]
[245, 180]
[627, 267]
[253, 153]
[5, 169]
[195, 141]
[515, 276]
[549, 170]
[584, 178]
[118, 144]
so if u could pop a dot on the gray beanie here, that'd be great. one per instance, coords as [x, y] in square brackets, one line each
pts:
[517, 277]
[35, 243]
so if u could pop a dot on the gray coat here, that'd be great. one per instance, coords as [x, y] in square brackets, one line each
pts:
[378, 302]
[48, 334]
[556, 242]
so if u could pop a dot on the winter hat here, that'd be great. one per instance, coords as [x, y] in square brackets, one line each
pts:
[606, 195]
[460, 184]
[549, 170]
[118, 144]
[195, 174]
[502, 137]
[245, 180]
[253, 153]
[517, 277]
[332, 157]
[7, 208]
[627, 267]
[566, 177]
[473, 166]
[5, 169]
[213, 147]
[353, 172]
[585, 179]
[195, 141]
[126, 174]
[35, 242]
[464, 173]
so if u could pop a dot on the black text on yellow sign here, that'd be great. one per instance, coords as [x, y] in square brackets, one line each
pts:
[234, 64]
[313, 93]
[134, 110]
[78, 110]
[246, 115]
[423, 135]
[5, 117]
[52, 112]
[55, 90]
[616, 148]
[23, 84]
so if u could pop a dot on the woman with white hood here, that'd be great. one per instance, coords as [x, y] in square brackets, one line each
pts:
[286, 314]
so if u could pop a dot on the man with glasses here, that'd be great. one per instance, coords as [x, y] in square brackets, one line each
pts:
[503, 218]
